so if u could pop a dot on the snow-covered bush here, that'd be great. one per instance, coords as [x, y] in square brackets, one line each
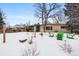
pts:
[66, 47]
[31, 51]
[30, 40]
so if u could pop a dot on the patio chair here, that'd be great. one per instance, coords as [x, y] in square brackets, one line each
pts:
[51, 34]
[71, 36]
[60, 35]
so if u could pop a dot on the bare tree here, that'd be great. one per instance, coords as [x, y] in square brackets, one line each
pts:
[59, 16]
[44, 11]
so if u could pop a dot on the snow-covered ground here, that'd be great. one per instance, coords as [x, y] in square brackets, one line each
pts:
[46, 46]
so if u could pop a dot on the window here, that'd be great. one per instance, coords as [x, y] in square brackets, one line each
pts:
[49, 28]
[63, 27]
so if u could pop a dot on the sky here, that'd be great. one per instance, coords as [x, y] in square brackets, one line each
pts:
[19, 13]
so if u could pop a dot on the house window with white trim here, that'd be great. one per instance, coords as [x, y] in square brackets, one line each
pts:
[49, 28]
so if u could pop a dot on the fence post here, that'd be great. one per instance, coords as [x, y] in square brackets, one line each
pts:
[4, 33]
[34, 31]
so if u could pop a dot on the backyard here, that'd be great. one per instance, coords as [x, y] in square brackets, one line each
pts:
[39, 29]
[42, 45]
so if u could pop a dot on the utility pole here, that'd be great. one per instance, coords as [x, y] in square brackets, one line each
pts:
[4, 33]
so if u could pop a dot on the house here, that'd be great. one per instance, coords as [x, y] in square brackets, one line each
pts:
[49, 27]
[54, 28]
[38, 28]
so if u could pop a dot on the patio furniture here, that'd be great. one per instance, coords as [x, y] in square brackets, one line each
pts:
[60, 35]
[71, 36]
[51, 34]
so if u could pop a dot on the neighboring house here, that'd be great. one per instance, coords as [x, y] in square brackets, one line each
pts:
[18, 28]
[39, 28]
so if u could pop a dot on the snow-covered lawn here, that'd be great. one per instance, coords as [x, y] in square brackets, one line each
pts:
[46, 46]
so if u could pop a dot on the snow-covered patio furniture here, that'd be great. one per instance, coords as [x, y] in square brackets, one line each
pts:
[51, 34]
[70, 36]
